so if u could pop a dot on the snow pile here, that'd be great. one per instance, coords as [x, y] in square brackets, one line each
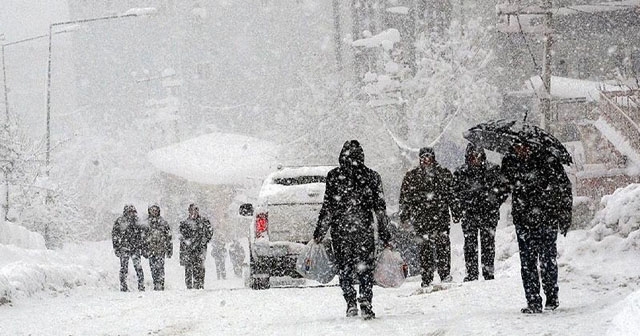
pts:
[12, 234]
[620, 215]
[25, 272]
[627, 322]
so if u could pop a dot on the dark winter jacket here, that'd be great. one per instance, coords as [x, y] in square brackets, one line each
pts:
[128, 236]
[159, 238]
[540, 189]
[353, 195]
[479, 190]
[425, 198]
[195, 234]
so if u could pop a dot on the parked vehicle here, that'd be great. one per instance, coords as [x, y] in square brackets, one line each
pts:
[284, 218]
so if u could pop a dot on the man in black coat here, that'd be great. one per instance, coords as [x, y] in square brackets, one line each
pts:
[353, 196]
[542, 204]
[195, 234]
[159, 245]
[128, 239]
[426, 197]
[479, 193]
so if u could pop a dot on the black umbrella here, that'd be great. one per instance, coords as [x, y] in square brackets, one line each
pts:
[500, 135]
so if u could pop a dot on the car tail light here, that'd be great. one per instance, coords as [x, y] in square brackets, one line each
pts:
[262, 224]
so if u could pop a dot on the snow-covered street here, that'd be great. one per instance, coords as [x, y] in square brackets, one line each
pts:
[599, 284]
[588, 307]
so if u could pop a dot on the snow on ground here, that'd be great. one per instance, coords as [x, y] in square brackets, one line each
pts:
[599, 294]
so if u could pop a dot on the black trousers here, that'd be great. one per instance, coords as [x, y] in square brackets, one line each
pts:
[124, 270]
[435, 253]
[487, 232]
[156, 264]
[355, 258]
[194, 275]
[538, 246]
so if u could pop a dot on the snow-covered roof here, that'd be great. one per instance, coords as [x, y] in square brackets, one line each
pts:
[385, 39]
[562, 87]
[218, 159]
[525, 16]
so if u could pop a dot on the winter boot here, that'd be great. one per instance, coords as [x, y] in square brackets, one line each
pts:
[531, 309]
[352, 309]
[551, 304]
[469, 278]
[367, 312]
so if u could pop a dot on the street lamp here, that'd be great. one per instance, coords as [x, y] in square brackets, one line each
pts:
[133, 12]
[4, 67]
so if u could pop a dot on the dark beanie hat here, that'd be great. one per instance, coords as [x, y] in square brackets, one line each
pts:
[427, 152]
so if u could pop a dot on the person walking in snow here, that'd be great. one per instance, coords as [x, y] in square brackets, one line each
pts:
[236, 254]
[160, 245]
[479, 191]
[353, 196]
[195, 234]
[128, 239]
[426, 196]
[541, 206]
[219, 254]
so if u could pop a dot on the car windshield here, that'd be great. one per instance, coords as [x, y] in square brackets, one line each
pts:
[289, 181]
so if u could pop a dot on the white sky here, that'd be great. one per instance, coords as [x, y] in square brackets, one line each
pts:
[20, 19]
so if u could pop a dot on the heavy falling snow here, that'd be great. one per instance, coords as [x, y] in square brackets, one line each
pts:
[241, 108]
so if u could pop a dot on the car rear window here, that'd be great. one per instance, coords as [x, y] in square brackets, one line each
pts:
[298, 180]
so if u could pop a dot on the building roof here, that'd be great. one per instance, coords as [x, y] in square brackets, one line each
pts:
[570, 88]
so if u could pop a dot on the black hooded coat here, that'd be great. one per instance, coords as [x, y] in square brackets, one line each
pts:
[353, 195]
[479, 190]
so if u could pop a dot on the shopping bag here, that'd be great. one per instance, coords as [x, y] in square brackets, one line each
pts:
[316, 263]
[391, 270]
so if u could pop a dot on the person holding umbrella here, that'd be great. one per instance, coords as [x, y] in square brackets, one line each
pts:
[541, 200]
[541, 206]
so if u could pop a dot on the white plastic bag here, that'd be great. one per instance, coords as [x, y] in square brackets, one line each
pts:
[391, 270]
[315, 263]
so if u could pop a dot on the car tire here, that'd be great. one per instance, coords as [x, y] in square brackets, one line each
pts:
[257, 280]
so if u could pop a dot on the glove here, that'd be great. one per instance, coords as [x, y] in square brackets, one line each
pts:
[564, 230]
[169, 254]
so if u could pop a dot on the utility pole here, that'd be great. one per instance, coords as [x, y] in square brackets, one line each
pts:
[546, 10]
[337, 33]
[545, 103]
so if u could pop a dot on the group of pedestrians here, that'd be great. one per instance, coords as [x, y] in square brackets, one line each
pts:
[133, 239]
[431, 198]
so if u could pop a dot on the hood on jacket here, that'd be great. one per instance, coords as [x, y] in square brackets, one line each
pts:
[351, 155]
[129, 211]
[473, 151]
[152, 208]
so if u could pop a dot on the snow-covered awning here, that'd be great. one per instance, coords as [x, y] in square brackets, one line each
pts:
[570, 88]
[218, 159]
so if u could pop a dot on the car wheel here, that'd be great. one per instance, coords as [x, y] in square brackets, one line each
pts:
[257, 280]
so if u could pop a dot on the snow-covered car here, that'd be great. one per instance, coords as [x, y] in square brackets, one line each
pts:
[283, 221]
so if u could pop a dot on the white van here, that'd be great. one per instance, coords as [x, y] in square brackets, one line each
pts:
[284, 218]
